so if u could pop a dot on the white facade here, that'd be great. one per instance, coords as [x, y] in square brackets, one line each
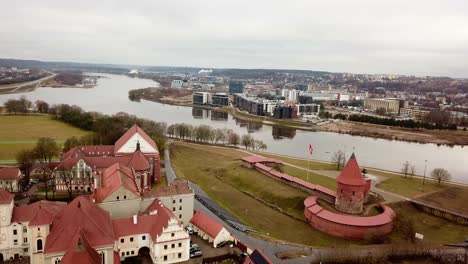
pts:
[130, 145]
[177, 84]
[222, 236]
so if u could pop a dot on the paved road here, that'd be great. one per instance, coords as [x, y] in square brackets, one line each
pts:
[17, 86]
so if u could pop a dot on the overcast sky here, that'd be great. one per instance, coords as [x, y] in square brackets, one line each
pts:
[362, 36]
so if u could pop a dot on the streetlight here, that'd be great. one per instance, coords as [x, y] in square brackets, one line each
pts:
[424, 177]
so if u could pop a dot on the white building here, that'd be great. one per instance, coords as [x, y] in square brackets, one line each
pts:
[177, 84]
[208, 229]
[10, 179]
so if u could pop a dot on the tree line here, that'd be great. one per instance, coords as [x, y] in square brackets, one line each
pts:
[208, 134]
[407, 123]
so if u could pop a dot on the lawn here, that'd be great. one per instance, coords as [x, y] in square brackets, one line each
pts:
[410, 187]
[22, 131]
[434, 229]
[311, 177]
[313, 165]
[241, 191]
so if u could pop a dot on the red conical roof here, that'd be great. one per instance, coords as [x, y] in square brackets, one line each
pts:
[351, 173]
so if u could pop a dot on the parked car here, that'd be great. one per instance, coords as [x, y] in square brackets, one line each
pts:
[244, 255]
[194, 248]
[195, 254]
[222, 244]
[189, 230]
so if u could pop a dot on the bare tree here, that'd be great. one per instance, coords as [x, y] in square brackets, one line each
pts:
[412, 170]
[234, 139]
[338, 158]
[247, 141]
[45, 150]
[405, 169]
[66, 178]
[25, 159]
[259, 145]
[440, 174]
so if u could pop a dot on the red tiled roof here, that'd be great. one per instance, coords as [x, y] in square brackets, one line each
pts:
[351, 173]
[257, 257]
[82, 214]
[381, 219]
[38, 213]
[114, 177]
[206, 224]
[9, 173]
[259, 159]
[178, 186]
[6, 197]
[138, 161]
[153, 223]
[80, 251]
[132, 131]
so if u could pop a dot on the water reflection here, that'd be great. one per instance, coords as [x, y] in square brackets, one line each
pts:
[283, 132]
[251, 126]
[213, 115]
[219, 115]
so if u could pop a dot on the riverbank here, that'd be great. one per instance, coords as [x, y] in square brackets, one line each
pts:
[447, 137]
[424, 136]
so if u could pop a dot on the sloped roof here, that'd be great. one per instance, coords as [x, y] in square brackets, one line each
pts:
[351, 173]
[80, 251]
[6, 197]
[206, 224]
[259, 159]
[138, 161]
[257, 257]
[153, 222]
[114, 177]
[9, 173]
[82, 214]
[178, 186]
[129, 134]
[38, 213]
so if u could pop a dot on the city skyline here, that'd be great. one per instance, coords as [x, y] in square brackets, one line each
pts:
[388, 37]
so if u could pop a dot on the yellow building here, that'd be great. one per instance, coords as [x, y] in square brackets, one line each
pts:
[391, 105]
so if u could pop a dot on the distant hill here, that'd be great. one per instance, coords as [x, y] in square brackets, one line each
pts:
[114, 68]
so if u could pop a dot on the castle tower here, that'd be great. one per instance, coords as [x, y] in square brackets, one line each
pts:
[351, 188]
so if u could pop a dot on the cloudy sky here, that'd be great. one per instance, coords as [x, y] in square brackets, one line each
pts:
[363, 36]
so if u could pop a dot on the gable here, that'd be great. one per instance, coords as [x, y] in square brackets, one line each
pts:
[123, 194]
[130, 145]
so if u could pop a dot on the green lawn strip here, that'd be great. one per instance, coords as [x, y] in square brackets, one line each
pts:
[218, 172]
[20, 132]
[408, 186]
[313, 165]
[312, 177]
[32, 127]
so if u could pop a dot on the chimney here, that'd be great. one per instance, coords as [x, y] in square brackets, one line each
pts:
[135, 219]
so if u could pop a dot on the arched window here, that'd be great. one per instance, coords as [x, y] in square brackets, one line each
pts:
[39, 245]
[103, 258]
[57, 261]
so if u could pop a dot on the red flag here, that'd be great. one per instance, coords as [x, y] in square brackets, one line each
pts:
[311, 149]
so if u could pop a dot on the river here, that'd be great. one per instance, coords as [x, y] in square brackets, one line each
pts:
[111, 96]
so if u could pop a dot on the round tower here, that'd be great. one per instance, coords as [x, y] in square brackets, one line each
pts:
[351, 188]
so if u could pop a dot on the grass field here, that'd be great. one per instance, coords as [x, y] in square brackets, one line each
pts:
[218, 172]
[411, 187]
[313, 165]
[22, 131]
[433, 228]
